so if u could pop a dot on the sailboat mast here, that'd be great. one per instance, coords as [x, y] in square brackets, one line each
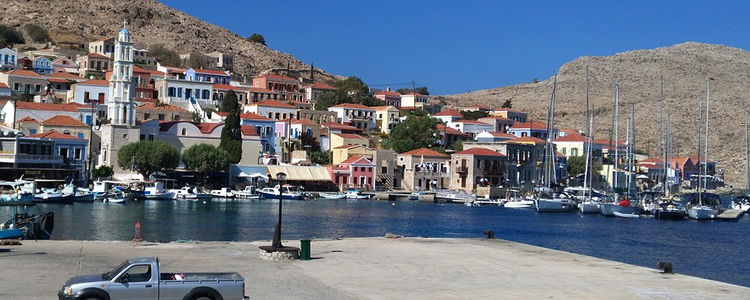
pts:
[591, 151]
[632, 167]
[617, 122]
[548, 140]
[662, 149]
[627, 155]
[667, 155]
[747, 154]
[700, 122]
[552, 152]
[705, 149]
[587, 146]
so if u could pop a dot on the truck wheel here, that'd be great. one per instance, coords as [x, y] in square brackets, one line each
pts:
[203, 293]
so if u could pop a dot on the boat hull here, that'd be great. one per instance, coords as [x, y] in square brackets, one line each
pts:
[668, 214]
[63, 199]
[521, 204]
[332, 196]
[554, 205]
[589, 208]
[702, 213]
[609, 209]
[627, 216]
[265, 195]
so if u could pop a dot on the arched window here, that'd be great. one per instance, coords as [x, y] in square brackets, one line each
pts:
[184, 131]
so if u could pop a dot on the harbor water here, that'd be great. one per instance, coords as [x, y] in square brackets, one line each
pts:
[713, 250]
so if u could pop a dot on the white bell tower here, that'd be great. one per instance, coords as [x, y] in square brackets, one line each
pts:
[121, 102]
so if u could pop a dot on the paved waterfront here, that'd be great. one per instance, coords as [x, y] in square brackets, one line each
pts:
[367, 268]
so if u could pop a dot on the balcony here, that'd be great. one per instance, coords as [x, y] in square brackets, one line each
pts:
[462, 169]
[29, 158]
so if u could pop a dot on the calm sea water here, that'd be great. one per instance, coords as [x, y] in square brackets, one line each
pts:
[713, 249]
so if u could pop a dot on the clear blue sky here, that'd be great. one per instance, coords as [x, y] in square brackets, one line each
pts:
[457, 46]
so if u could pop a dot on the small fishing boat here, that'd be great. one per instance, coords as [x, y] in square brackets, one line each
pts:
[79, 194]
[191, 193]
[154, 190]
[120, 197]
[53, 195]
[11, 192]
[741, 202]
[27, 222]
[354, 194]
[223, 193]
[333, 196]
[287, 192]
[250, 192]
[668, 209]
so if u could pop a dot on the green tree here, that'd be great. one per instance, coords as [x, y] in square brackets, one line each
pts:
[473, 115]
[420, 90]
[164, 55]
[412, 133]
[326, 100]
[102, 172]
[320, 157]
[349, 90]
[37, 33]
[257, 38]
[146, 157]
[308, 142]
[458, 146]
[231, 134]
[576, 165]
[508, 103]
[205, 159]
[196, 117]
[10, 36]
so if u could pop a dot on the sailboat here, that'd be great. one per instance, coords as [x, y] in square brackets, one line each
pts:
[700, 208]
[742, 201]
[589, 205]
[547, 200]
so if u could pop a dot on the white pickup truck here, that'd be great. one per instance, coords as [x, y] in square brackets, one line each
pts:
[139, 278]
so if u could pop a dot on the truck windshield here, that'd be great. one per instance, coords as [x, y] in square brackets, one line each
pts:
[115, 271]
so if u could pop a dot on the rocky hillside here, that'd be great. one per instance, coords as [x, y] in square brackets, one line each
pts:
[151, 22]
[684, 67]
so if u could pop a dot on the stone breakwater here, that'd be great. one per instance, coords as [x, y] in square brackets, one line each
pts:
[372, 268]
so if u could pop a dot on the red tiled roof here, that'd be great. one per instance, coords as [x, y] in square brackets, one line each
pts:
[321, 86]
[97, 55]
[605, 142]
[27, 119]
[54, 135]
[27, 73]
[449, 112]
[249, 116]
[529, 125]
[226, 87]
[559, 154]
[62, 120]
[571, 137]
[215, 72]
[703, 159]
[502, 134]
[425, 152]
[248, 130]
[480, 151]
[495, 117]
[274, 76]
[448, 130]
[350, 136]
[356, 159]
[56, 80]
[260, 90]
[527, 139]
[160, 106]
[388, 93]
[347, 146]
[98, 82]
[71, 107]
[3, 86]
[64, 75]
[208, 127]
[352, 106]
[471, 122]
[341, 126]
[272, 103]
[382, 107]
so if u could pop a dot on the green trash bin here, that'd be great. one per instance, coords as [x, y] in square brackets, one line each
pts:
[304, 249]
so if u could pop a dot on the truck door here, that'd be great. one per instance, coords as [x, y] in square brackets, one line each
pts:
[136, 282]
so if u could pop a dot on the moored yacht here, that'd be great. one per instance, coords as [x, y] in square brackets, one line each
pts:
[287, 192]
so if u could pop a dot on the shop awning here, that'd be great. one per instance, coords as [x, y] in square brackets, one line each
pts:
[300, 173]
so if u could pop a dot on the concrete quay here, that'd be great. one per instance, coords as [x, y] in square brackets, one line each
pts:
[367, 268]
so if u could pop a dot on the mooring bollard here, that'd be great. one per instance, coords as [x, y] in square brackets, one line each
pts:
[304, 249]
[489, 233]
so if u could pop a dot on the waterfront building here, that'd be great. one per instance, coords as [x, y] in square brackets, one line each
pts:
[62, 82]
[448, 115]
[341, 139]
[93, 64]
[415, 100]
[203, 75]
[23, 82]
[574, 144]
[356, 115]
[287, 87]
[332, 128]
[423, 170]
[313, 91]
[523, 159]
[477, 167]
[188, 95]
[272, 109]
[390, 98]
[42, 65]
[43, 111]
[499, 124]
[386, 118]
[317, 116]
[64, 64]
[103, 47]
[470, 127]
[509, 113]
[161, 112]
[71, 149]
[184, 134]
[8, 59]
[356, 171]
[491, 137]
[65, 125]
[264, 127]
[20, 154]
[532, 129]
[85, 91]
[222, 60]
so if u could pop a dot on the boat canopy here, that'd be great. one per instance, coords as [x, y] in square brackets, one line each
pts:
[300, 173]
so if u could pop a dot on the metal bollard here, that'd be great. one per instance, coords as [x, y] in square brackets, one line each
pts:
[304, 249]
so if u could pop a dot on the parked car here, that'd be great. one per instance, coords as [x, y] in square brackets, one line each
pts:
[140, 278]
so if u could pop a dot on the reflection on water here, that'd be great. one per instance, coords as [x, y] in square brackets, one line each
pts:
[715, 250]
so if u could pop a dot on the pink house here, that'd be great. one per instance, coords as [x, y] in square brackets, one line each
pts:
[356, 171]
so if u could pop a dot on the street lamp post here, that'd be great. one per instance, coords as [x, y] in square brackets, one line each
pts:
[276, 244]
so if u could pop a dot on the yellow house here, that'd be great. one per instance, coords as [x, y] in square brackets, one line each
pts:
[341, 153]
[342, 139]
[385, 118]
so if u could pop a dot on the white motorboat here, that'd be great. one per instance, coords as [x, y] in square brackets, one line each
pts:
[703, 206]
[516, 201]
[154, 190]
[488, 201]
[191, 193]
[52, 195]
[741, 203]
[11, 192]
[79, 194]
[455, 196]
[547, 201]
[354, 194]
[119, 197]
[250, 192]
[703, 212]
[223, 193]
[334, 196]
[287, 192]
